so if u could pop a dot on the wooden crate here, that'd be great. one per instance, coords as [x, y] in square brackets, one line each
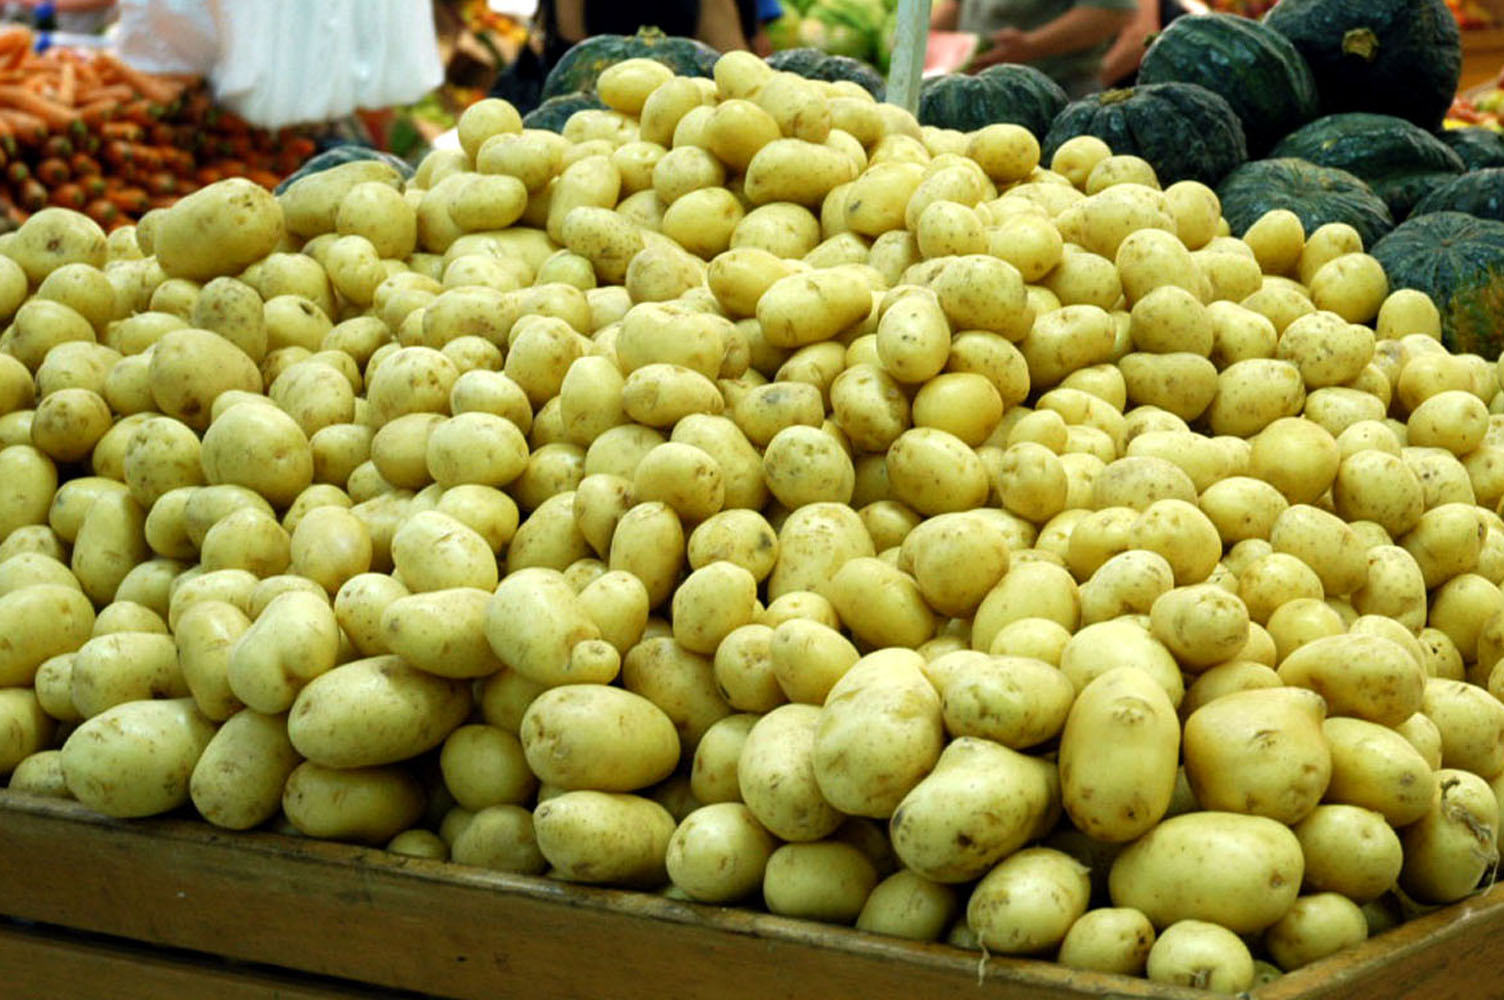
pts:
[306, 920]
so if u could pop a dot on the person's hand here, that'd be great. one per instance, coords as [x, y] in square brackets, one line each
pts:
[1006, 45]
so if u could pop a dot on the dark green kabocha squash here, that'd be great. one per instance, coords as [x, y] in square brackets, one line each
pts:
[555, 112]
[1184, 130]
[1019, 95]
[1480, 193]
[1255, 68]
[812, 64]
[578, 68]
[1318, 195]
[1478, 147]
[1458, 260]
[1398, 57]
[1400, 161]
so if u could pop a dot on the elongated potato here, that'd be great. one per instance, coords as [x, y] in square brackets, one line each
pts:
[1118, 755]
[880, 732]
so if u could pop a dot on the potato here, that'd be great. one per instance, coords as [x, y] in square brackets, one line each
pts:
[979, 804]
[1201, 624]
[1201, 955]
[136, 758]
[366, 805]
[295, 639]
[880, 604]
[1108, 939]
[1448, 850]
[719, 853]
[776, 775]
[441, 632]
[1193, 866]
[598, 737]
[218, 230]
[879, 733]
[1122, 715]
[399, 711]
[238, 780]
[1259, 751]
[484, 766]
[26, 727]
[40, 774]
[604, 838]
[1349, 849]
[555, 622]
[206, 633]
[1363, 675]
[710, 603]
[112, 669]
[1471, 723]
[827, 881]
[53, 238]
[935, 472]
[1029, 901]
[70, 618]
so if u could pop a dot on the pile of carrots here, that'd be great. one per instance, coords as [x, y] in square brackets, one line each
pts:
[81, 129]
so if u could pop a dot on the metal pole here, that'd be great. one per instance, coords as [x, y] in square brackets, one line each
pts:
[907, 65]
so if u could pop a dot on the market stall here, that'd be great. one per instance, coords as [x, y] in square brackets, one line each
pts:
[757, 527]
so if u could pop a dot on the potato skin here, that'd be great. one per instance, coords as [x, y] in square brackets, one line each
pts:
[1118, 755]
[598, 737]
[218, 230]
[1242, 872]
[375, 711]
[136, 758]
[879, 733]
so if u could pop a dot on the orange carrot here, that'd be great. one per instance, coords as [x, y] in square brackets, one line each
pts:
[50, 112]
[67, 84]
[27, 127]
[151, 87]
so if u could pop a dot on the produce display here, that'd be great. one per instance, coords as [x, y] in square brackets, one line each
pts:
[1076, 543]
[81, 129]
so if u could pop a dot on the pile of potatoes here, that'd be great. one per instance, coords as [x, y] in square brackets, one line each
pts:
[754, 496]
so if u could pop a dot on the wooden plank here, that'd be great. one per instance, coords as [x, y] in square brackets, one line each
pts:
[404, 923]
[38, 964]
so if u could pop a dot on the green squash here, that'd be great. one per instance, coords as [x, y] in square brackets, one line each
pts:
[1398, 57]
[1318, 195]
[1017, 95]
[1458, 260]
[1400, 161]
[1255, 68]
[577, 69]
[1479, 193]
[1184, 130]
[813, 64]
[554, 113]
[1478, 147]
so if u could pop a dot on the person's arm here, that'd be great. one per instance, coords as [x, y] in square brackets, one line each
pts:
[569, 17]
[1126, 53]
[1079, 28]
[945, 15]
[721, 25]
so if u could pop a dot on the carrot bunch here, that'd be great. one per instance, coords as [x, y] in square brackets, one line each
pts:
[84, 130]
